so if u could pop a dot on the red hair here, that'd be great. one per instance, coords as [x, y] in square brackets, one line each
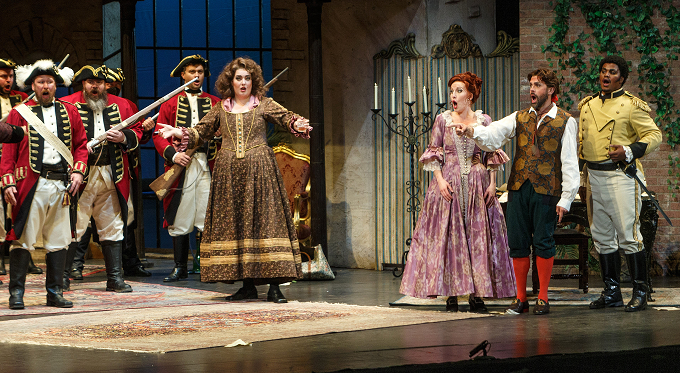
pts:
[472, 83]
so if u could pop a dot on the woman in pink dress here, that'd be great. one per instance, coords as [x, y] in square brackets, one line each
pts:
[460, 243]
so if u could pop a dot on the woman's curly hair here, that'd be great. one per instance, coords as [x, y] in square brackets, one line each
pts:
[223, 84]
[472, 82]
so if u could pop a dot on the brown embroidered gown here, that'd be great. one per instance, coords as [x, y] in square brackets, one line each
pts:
[249, 230]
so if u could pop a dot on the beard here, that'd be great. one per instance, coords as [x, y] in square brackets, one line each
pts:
[96, 103]
[540, 101]
[42, 100]
[113, 90]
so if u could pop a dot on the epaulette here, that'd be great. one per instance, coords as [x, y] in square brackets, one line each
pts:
[585, 101]
[638, 102]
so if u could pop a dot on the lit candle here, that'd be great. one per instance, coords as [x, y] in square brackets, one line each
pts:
[439, 90]
[424, 100]
[408, 81]
[375, 96]
[393, 111]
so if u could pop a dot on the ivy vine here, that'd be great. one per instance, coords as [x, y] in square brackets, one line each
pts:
[617, 26]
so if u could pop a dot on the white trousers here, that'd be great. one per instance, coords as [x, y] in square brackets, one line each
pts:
[194, 202]
[616, 205]
[48, 221]
[3, 232]
[100, 200]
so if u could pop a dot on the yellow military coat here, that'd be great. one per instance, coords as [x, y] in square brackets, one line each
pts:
[622, 119]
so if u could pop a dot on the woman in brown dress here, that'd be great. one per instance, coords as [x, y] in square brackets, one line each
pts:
[249, 233]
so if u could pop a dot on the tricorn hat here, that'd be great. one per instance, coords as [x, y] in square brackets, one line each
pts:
[26, 73]
[92, 72]
[196, 59]
[7, 64]
[114, 75]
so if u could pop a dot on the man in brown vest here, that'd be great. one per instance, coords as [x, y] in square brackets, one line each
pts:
[543, 181]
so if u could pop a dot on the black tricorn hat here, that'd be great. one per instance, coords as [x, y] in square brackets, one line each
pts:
[114, 75]
[196, 59]
[26, 73]
[7, 64]
[92, 72]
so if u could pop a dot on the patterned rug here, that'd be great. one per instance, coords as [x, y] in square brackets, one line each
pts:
[663, 297]
[165, 329]
[92, 296]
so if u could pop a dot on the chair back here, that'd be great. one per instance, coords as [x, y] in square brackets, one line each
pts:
[296, 173]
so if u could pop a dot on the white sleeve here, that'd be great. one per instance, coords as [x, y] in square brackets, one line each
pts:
[496, 134]
[571, 178]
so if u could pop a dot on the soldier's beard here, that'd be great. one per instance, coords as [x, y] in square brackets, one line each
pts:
[113, 90]
[96, 103]
[44, 100]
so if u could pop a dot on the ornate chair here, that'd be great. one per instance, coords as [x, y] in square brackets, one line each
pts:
[296, 172]
[565, 234]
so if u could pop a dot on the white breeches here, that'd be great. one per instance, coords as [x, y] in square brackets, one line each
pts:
[48, 221]
[100, 200]
[3, 232]
[194, 202]
[616, 211]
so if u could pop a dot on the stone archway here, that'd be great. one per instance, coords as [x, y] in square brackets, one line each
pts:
[34, 39]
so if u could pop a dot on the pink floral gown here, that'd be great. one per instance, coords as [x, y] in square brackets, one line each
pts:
[459, 247]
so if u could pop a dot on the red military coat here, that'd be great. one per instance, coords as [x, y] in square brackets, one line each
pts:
[117, 111]
[176, 112]
[19, 168]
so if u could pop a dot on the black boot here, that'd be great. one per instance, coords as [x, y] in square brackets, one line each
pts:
[54, 279]
[274, 294]
[18, 267]
[113, 253]
[180, 248]
[477, 304]
[4, 247]
[34, 269]
[637, 264]
[68, 264]
[248, 291]
[610, 265]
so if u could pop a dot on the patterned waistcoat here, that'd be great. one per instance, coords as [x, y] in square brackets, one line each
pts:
[544, 171]
[183, 119]
[111, 119]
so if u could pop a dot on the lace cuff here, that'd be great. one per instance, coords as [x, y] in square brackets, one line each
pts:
[496, 158]
[291, 126]
[185, 140]
[432, 153]
[432, 165]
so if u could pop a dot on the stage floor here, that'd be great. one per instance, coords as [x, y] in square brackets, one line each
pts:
[567, 330]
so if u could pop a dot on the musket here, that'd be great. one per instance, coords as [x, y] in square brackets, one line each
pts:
[134, 118]
[161, 186]
[30, 97]
[631, 171]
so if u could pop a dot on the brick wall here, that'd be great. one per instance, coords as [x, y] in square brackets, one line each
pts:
[536, 16]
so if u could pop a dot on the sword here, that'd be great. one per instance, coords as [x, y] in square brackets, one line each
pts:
[631, 171]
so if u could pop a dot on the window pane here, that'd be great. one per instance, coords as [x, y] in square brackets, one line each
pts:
[193, 24]
[266, 24]
[247, 23]
[144, 23]
[167, 20]
[267, 66]
[220, 21]
[253, 55]
[167, 60]
[145, 73]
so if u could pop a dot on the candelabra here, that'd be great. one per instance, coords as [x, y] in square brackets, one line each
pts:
[412, 128]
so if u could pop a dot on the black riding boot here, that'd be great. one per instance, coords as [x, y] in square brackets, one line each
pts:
[275, 295]
[637, 264]
[113, 253]
[610, 266]
[18, 267]
[34, 269]
[68, 264]
[180, 248]
[54, 279]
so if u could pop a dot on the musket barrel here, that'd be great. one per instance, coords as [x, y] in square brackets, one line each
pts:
[134, 118]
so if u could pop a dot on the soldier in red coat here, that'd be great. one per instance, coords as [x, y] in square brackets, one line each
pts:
[190, 193]
[105, 196]
[39, 174]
